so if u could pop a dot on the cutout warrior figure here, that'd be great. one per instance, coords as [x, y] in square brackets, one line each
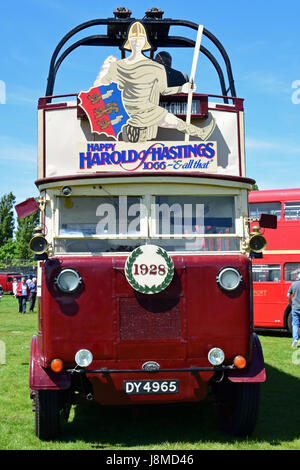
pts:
[142, 80]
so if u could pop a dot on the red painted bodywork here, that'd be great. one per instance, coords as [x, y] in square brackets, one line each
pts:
[123, 329]
[41, 378]
[270, 298]
[271, 305]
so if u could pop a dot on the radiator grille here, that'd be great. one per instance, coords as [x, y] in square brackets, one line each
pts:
[149, 318]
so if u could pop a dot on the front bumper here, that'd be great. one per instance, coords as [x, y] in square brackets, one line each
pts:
[192, 370]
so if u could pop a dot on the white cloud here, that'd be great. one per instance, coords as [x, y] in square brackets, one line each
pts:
[22, 96]
[18, 168]
[274, 164]
[267, 83]
[14, 150]
[279, 147]
[277, 181]
[259, 144]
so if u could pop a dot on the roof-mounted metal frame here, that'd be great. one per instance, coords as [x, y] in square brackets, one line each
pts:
[158, 32]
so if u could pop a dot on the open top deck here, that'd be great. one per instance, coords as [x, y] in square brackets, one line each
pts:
[128, 124]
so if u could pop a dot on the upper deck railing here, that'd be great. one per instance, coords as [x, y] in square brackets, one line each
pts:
[158, 31]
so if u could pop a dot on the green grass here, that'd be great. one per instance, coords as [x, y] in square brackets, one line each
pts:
[179, 427]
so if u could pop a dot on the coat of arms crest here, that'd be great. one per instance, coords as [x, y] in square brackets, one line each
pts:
[104, 108]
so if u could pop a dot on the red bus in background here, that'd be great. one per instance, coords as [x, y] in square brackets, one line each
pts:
[274, 273]
[6, 281]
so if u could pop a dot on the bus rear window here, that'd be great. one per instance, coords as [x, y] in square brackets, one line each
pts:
[292, 210]
[273, 208]
[266, 272]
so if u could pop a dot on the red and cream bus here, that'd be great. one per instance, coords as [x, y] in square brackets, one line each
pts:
[274, 273]
[144, 276]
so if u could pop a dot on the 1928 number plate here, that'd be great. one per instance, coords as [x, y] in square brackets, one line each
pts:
[145, 387]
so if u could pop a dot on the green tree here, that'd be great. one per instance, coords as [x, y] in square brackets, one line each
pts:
[23, 235]
[6, 217]
[254, 187]
[8, 250]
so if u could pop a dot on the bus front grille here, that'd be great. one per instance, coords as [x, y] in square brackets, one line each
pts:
[149, 317]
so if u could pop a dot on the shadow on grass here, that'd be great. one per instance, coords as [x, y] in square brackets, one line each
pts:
[278, 333]
[107, 427]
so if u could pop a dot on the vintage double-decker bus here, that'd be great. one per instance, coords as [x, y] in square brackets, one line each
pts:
[144, 276]
[280, 265]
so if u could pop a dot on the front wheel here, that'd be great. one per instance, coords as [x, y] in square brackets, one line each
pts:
[47, 413]
[239, 403]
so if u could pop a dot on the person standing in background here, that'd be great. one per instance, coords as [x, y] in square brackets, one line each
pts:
[14, 286]
[32, 296]
[294, 300]
[22, 294]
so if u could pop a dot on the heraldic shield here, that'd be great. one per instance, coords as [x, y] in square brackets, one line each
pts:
[105, 109]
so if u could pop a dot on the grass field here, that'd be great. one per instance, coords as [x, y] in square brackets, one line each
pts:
[160, 428]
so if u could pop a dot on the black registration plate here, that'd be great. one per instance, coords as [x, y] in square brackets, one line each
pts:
[145, 387]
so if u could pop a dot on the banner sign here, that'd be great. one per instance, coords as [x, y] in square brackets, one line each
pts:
[166, 156]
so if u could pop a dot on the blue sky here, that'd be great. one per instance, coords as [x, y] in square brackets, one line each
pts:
[261, 38]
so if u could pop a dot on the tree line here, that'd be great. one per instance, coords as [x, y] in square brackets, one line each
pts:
[14, 240]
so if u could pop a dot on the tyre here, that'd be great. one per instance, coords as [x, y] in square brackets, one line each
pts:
[289, 322]
[239, 403]
[47, 414]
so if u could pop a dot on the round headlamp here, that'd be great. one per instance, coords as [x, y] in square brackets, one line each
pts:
[229, 278]
[38, 244]
[68, 280]
[83, 357]
[257, 243]
[216, 356]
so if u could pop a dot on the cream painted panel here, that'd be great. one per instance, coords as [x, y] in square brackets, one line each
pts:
[64, 131]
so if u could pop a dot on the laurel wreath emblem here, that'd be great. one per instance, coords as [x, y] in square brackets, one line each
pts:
[155, 288]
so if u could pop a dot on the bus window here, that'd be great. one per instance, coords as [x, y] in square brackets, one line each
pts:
[292, 210]
[290, 271]
[120, 224]
[210, 214]
[110, 216]
[266, 272]
[256, 209]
